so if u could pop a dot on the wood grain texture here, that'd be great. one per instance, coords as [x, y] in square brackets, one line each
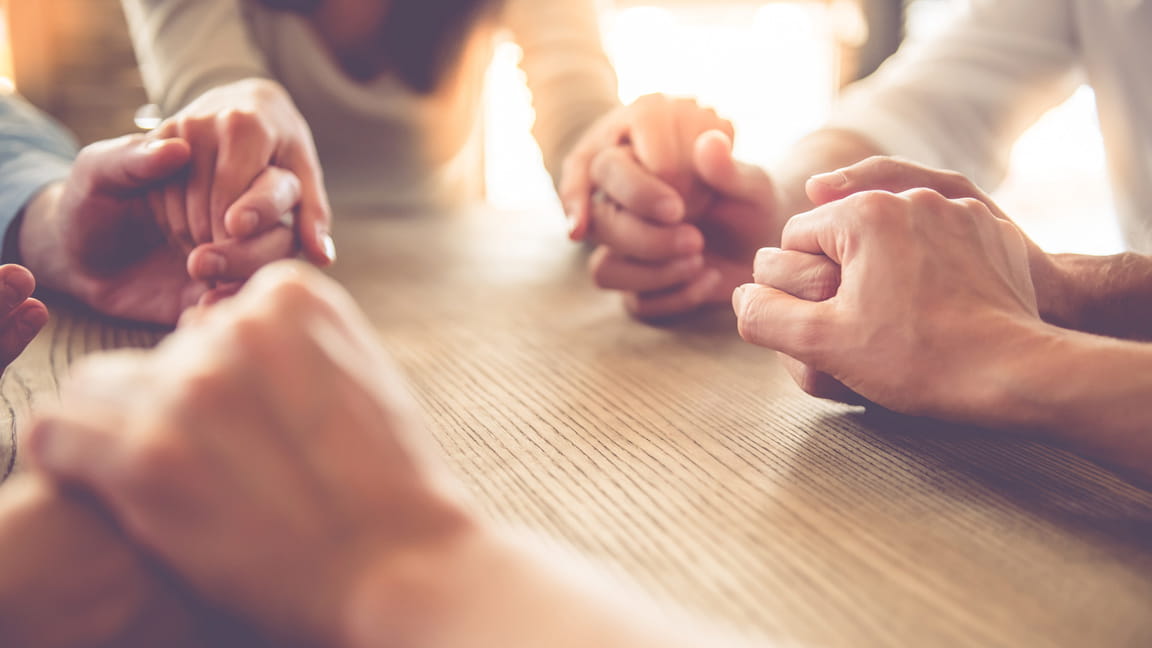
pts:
[686, 459]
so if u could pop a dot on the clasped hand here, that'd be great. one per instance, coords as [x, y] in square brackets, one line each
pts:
[675, 218]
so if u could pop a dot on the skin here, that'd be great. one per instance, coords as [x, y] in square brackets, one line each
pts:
[21, 316]
[76, 564]
[237, 132]
[363, 540]
[94, 236]
[1110, 295]
[942, 288]
[677, 219]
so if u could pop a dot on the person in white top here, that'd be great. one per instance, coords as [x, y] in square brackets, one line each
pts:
[957, 103]
[389, 91]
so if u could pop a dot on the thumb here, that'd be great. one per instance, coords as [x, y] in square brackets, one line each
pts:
[574, 190]
[774, 319]
[894, 175]
[132, 162]
[314, 220]
[723, 173]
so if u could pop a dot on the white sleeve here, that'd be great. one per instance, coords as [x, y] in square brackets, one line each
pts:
[571, 79]
[187, 47]
[960, 101]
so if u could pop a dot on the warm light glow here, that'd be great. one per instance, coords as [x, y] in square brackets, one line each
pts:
[148, 117]
[770, 69]
[767, 68]
[7, 72]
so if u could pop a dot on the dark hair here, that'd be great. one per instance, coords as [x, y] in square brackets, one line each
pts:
[420, 39]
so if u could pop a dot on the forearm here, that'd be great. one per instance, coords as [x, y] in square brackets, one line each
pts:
[567, 70]
[1086, 392]
[1107, 295]
[61, 560]
[38, 243]
[187, 47]
[490, 589]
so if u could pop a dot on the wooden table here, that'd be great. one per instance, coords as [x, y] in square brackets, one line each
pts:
[685, 458]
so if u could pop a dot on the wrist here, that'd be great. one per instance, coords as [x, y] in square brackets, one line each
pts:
[1087, 393]
[38, 240]
[1027, 362]
[1060, 295]
[407, 595]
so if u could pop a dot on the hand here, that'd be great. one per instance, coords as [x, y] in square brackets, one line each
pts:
[94, 236]
[21, 316]
[894, 175]
[61, 559]
[672, 268]
[320, 468]
[640, 156]
[934, 296]
[236, 133]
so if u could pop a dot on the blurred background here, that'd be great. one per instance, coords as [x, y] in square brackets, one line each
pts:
[772, 67]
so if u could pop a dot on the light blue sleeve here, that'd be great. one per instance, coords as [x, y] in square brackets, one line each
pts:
[34, 152]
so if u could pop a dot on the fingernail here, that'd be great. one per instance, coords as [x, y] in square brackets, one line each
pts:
[155, 145]
[668, 209]
[761, 257]
[833, 180]
[738, 297]
[766, 252]
[328, 243]
[247, 221]
[32, 321]
[213, 264]
[573, 221]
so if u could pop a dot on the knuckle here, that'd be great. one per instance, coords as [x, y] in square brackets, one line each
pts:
[874, 209]
[878, 164]
[239, 122]
[973, 206]
[956, 184]
[825, 283]
[197, 126]
[155, 459]
[292, 292]
[200, 385]
[924, 196]
[250, 331]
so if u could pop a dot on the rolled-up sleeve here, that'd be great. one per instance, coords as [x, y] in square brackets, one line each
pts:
[187, 47]
[571, 79]
[34, 152]
[961, 100]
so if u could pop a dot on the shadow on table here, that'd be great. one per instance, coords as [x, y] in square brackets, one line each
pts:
[1057, 485]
